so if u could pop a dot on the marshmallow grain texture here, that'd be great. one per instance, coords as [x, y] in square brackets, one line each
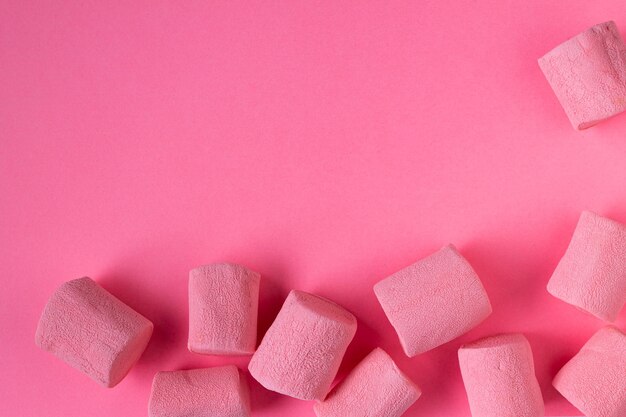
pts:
[588, 75]
[209, 392]
[93, 331]
[374, 388]
[433, 301]
[223, 309]
[592, 273]
[301, 352]
[594, 380]
[499, 377]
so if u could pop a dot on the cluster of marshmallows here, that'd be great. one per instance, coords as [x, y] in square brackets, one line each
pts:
[429, 303]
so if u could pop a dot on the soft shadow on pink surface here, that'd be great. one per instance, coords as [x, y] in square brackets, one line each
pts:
[325, 145]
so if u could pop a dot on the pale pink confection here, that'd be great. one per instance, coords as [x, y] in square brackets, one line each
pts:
[592, 273]
[92, 331]
[499, 377]
[210, 392]
[433, 301]
[374, 388]
[223, 308]
[594, 380]
[588, 75]
[301, 352]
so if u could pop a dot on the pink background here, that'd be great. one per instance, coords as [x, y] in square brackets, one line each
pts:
[324, 145]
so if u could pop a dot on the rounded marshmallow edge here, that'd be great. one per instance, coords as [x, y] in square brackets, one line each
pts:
[93, 331]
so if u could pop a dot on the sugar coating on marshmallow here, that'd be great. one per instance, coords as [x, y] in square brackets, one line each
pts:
[223, 308]
[301, 352]
[594, 380]
[499, 377]
[588, 75]
[374, 388]
[433, 301]
[93, 331]
[210, 392]
[592, 273]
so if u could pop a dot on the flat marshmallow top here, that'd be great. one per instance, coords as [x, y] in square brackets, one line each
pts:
[323, 307]
[496, 341]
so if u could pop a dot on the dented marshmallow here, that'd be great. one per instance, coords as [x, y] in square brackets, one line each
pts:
[499, 377]
[92, 331]
[223, 308]
[374, 388]
[592, 273]
[588, 75]
[433, 301]
[301, 352]
[594, 380]
[209, 392]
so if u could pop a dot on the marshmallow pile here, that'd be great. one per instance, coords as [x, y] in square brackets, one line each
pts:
[429, 303]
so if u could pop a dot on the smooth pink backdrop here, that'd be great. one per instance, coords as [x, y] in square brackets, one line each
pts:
[324, 144]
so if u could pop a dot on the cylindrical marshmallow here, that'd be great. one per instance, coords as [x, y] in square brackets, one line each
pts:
[499, 377]
[374, 388]
[301, 352]
[92, 331]
[223, 308]
[214, 392]
[594, 380]
[433, 301]
[588, 75]
[592, 273]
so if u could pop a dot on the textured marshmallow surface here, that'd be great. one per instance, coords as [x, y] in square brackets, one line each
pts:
[588, 75]
[93, 331]
[592, 273]
[433, 301]
[210, 392]
[499, 377]
[594, 380]
[301, 352]
[223, 308]
[374, 388]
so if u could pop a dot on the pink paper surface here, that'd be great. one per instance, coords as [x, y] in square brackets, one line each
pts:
[325, 145]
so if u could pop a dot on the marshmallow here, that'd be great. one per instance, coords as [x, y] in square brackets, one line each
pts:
[300, 354]
[499, 377]
[592, 273]
[211, 392]
[433, 301]
[594, 380]
[588, 75]
[223, 308]
[374, 388]
[92, 331]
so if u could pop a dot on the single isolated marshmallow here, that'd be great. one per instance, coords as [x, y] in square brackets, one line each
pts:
[223, 308]
[594, 380]
[92, 331]
[210, 392]
[592, 273]
[499, 377]
[374, 388]
[433, 301]
[588, 75]
[301, 352]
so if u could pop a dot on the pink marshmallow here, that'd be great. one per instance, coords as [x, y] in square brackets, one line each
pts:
[223, 308]
[592, 273]
[594, 380]
[588, 75]
[92, 331]
[433, 301]
[499, 377]
[374, 388]
[301, 351]
[210, 392]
